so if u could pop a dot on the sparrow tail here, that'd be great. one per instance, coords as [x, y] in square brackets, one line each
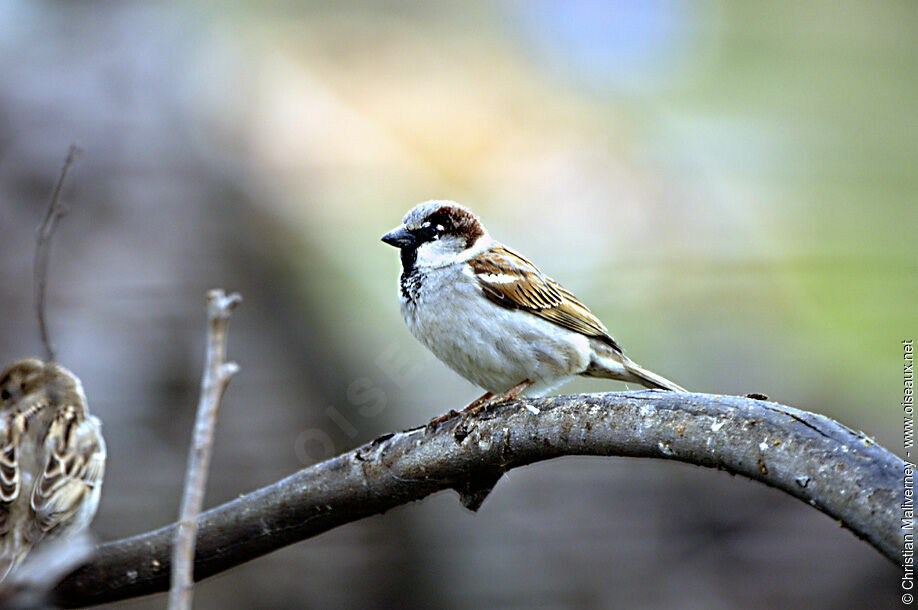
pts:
[649, 379]
[619, 367]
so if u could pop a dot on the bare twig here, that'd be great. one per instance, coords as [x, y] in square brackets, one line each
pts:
[811, 457]
[217, 375]
[45, 231]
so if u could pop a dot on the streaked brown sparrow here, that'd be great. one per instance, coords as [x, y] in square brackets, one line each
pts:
[52, 458]
[492, 316]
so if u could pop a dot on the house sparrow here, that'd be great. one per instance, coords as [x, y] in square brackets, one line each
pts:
[492, 316]
[52, 458]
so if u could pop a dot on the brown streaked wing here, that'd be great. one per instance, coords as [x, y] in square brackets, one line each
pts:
[10, 433]
[76, 462]
[513, 282]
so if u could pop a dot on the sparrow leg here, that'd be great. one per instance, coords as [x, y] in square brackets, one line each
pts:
[452, 413]
[479, 401]
[484, 401]
[513, 393]
[488, 401]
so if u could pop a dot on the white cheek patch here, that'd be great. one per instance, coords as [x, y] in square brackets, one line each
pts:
[438, 253]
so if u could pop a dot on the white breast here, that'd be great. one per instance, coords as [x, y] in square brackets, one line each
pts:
[491, 346]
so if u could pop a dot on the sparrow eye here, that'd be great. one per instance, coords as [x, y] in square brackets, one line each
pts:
[429, 232]
[5, 394]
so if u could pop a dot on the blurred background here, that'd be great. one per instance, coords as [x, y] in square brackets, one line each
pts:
[729, 185]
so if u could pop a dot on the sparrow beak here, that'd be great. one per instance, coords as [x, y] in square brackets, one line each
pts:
[400, 237]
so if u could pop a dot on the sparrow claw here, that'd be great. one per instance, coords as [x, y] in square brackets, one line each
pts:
[490, 400]
[479, 402]
[473, 406]
[436, 421]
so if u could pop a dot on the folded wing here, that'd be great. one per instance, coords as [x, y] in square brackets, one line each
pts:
[73, 471]
[513, 282]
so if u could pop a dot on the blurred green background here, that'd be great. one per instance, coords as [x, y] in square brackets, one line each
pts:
[728, 185]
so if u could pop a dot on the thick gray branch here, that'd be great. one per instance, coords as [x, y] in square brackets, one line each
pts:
[837, 470]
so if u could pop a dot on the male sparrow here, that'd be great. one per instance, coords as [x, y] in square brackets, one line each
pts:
[52, 458]
[492, 316]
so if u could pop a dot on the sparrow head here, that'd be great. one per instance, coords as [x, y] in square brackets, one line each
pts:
[435, 233]
[30, 384]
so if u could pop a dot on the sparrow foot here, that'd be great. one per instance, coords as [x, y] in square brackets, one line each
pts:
[453, 413]
[488, 399]
[479, 402]
[436, 421]
[491, 400]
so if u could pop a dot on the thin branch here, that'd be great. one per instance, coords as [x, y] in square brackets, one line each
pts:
[811, 457]
[217, 375]
[44, 233]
